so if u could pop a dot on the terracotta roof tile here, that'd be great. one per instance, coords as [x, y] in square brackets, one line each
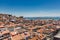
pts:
[4, 32]
[13, 33]
[1, 26]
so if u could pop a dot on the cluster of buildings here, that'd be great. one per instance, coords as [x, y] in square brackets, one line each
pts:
[18, 28]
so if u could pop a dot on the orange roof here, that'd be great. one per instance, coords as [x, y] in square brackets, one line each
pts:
[22, 35]
[42, 36]
[58, 27]
[11, 24]
[6, 39]
[19, 36]
[40, 30]
[0, 33]
[16, 37]
[52, 29]
[13, 33]
[4, 32]
[28, 34]
[1, 26]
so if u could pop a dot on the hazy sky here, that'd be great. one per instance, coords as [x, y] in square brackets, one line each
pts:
[30, 8]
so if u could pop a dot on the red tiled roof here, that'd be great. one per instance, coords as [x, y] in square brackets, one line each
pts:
[4, 32]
